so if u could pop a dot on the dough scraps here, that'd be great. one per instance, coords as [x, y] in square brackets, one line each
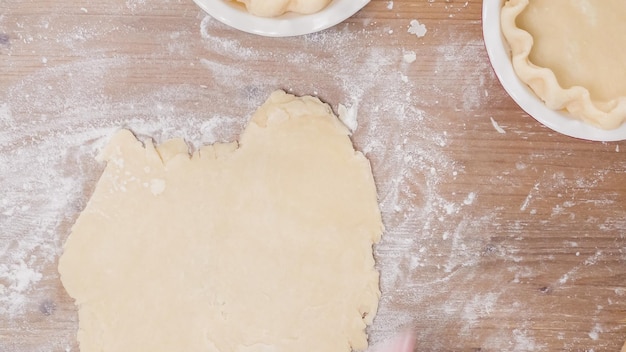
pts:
[273, 8]
[265, 245]
[572, 55]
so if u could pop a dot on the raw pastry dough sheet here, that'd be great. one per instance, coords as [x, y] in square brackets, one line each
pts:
[262, 246]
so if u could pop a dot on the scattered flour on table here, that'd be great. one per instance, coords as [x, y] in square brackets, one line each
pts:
[409, 56]
[471, 197]
[496, 126]
[348, 115]
[417, 28]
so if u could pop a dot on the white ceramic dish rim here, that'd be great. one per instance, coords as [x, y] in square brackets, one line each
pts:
[283, 26]
[558, 121]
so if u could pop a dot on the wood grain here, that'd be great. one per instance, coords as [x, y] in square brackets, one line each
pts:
[516, 242]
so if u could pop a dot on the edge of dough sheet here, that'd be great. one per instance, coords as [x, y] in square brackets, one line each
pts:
[576, 100]
[102, 253]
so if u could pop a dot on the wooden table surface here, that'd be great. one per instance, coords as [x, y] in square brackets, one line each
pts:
[501, 235]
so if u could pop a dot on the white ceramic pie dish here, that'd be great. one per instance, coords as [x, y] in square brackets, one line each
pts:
[290, 24]
[558, 121]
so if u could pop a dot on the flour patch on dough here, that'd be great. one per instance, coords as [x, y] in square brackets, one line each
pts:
[254, 246]
[157, 186]
[348, 115]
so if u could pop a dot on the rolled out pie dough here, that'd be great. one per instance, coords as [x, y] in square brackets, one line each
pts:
[273, 8]
[572, 54]
[256, 247]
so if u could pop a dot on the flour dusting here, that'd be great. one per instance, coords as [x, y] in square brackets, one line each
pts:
[348, 115]
[409, 57]
[417, 28]
[17, 280]
[496, 126]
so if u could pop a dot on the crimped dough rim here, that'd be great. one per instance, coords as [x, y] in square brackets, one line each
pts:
[576, 100]
[277, 8]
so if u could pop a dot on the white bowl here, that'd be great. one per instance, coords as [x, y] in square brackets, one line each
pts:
[558, 121]
[290, 24]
